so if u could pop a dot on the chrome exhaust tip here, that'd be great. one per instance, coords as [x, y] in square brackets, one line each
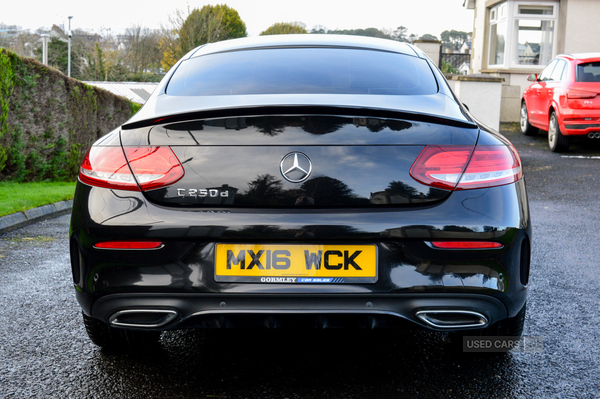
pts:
[594, 135]
[442, 318]
[142, 318]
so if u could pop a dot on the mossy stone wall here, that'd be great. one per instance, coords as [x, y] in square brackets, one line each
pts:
[48, 120]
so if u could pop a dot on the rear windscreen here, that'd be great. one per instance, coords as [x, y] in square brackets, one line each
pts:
[588, 72]
[303, 71]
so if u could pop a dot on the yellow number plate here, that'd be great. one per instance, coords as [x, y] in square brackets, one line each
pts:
[296, 263]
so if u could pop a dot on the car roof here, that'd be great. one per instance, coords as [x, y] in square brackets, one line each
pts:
[306, 40]
[581, 56]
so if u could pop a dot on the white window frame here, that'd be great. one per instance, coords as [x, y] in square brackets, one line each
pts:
[511, 17]
[514, 16]
[495, 19]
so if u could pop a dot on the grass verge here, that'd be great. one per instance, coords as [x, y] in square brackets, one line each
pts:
[18, 197]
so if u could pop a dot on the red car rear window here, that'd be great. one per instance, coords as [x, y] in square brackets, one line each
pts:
[588, 72]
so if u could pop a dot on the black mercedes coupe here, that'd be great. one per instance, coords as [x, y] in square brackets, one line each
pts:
[301, 181]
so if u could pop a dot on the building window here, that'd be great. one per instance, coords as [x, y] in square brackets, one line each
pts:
[497, 34]
[535, 25]
[522, 34]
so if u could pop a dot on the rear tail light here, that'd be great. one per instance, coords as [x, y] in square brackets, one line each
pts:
[573, 93]
[129, 245]
[441, 166]
[466, 244]
[465, 168]
[112, 167]
[580, 119]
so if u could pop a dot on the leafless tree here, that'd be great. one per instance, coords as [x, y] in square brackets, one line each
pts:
[142, 51]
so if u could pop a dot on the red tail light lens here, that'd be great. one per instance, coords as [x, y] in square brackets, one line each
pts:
[107, 167]
[441, 166]
[491, 166]
[466, 244]
[129, 245]
[153, 167]
[573, 93]
[462, 168]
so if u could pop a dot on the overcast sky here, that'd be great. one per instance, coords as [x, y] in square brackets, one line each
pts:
[419, 16]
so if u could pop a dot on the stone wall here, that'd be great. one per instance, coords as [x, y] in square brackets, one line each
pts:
[48, 120]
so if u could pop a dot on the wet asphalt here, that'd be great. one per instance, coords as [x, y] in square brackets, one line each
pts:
[45, 352]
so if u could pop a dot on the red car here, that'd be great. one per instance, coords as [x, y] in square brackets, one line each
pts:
[564, 100]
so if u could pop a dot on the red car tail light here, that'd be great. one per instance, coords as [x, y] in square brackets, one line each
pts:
[491, 166]
[152, 167]
[107, 167]
[575, 94]
[461, 168]
[441, 166]
[466, 244]
[129, 245]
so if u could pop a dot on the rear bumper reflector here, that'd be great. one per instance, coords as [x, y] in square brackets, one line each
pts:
[465, 244]
[129, 245]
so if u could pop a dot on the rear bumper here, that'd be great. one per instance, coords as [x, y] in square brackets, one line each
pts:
[412, 276]
[291, 311]
[580, 129]
[573, 121]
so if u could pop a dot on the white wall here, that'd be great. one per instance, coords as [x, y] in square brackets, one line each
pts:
[483, 96]
[582, 28]
[431, 48]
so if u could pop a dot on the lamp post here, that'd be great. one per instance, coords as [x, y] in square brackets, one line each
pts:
[69, 55]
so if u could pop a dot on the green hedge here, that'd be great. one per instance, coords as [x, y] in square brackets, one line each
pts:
[48, 120]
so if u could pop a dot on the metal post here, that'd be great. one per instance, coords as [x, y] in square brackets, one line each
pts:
[45, 37]
[69, 55]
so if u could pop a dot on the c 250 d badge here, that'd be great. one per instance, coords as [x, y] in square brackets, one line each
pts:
[202, 192]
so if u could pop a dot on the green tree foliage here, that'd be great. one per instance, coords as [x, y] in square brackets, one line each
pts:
[428, 36]
[453, 39]
[447, 67]
[6, 88]
[210, 24]
[319, 29]
[371, 32]
[57, 54]
[285, 28]
[95, 69]
[400, 34]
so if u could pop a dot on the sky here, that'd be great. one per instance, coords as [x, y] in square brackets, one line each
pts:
[419, 16]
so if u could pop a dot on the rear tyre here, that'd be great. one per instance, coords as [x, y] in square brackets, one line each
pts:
[526, 128]
[112, 338]
[511, 327]
[556, 141]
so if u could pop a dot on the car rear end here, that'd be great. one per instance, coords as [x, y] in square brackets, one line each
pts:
[315, 209]
[581, 110]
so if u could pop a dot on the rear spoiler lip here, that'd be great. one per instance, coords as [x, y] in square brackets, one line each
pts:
[302, 110]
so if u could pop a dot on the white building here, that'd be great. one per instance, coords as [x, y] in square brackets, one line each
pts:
[514, 38]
